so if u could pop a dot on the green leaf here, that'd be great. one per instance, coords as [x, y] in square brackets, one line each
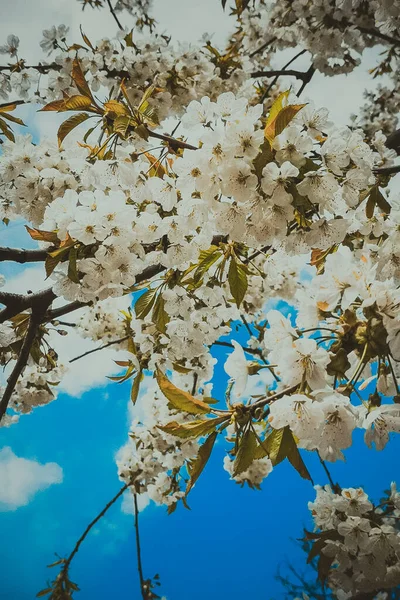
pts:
[144, 304]
[70, 124]
[285, 116]
[324, 564]
[237, 278]
[136, 386]
[79, 79]
[192, 429]
[44, 592]
[42, 236]
[160, 317]
[77, 103]
[246, 453]
[206, 259]
[50, 264]
[180, 399]
[72, 269]
[6, 130]
[281, 445]
[196, 466]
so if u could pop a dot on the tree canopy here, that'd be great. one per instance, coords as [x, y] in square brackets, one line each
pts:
[187, 193]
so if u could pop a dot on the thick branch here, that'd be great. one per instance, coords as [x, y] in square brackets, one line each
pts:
[381, 36]
[16, 303]
[22, 360]
[22, 256]
[388, 170]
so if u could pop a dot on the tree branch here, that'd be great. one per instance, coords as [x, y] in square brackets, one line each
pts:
[306, 79]
[91, 524]
[387, 170]
[174, 143]
[378, 34]
[143, 587]
[16, 303]
[112, 11]
[22, 256]
[263, 47]
[43, 69]
[99, 348]
[277, 73]
[22, 360]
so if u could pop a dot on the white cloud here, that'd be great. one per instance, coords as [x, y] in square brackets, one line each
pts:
[21, 479]
[127, 506]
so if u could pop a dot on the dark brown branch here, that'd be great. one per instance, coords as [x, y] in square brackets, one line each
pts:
[16, 303]
[174, 143]
[89, 527]
[22, 360]
[263, 47]
[306, 79]
[22, 256]
[63, 310]
[112, 11]
[100, 348]
[381, 36]
[43, 69]
[268, 399]
[387, 170]
[143, 588]
[277, 73]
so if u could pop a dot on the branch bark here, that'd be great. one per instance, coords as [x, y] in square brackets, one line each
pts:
[23, 256]
[22, 360]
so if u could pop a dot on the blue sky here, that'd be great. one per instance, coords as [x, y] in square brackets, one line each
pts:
[229, 544]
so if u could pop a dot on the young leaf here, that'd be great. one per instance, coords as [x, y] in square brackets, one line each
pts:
[70, 124]
[136, 386]
[237, 278]
[246, 452]
[145, 302]
[50, 264]
[44, 592]
[160, 316]
[192, 429]
[77, 103]
[281, 444]
[285, 116]
[42, 236]
[206, 259]
[79, 79]
[72, 269]
[282, 120]
[196, 466]
[180, 399]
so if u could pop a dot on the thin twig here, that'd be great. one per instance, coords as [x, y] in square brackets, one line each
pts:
[335, 486]
[138, 549]
[92, 523]
[100, 348]
[263, 47]
[112, 11]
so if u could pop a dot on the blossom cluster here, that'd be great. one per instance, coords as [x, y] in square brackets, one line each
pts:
[362, 541]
